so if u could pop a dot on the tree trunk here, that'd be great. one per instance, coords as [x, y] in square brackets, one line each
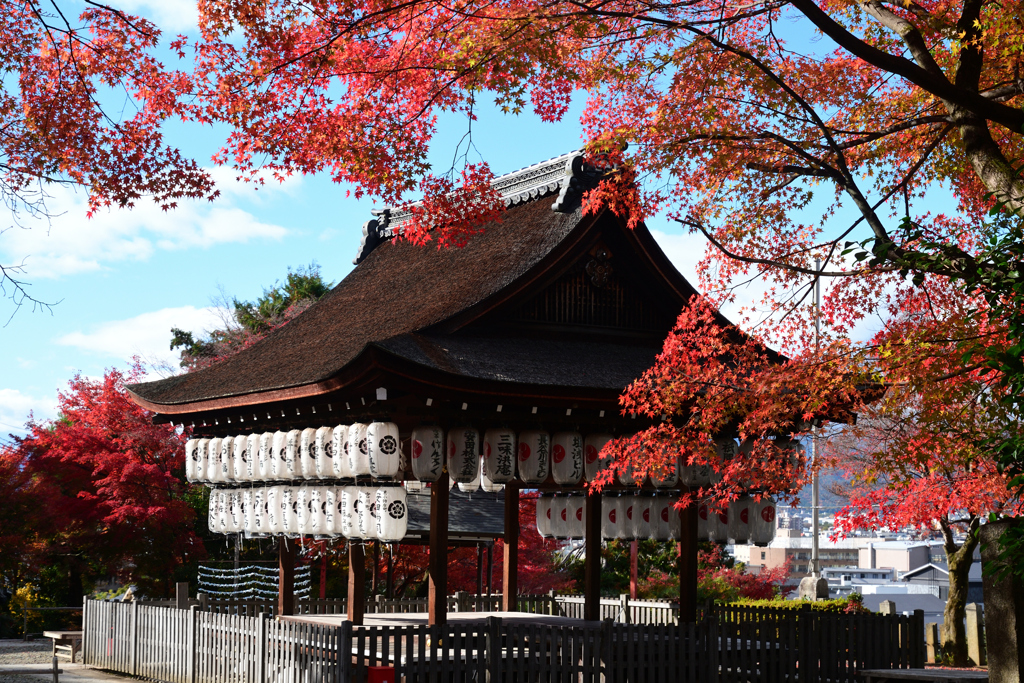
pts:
[958, 559]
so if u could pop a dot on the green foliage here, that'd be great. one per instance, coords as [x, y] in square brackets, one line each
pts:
[252, 320]
[300, 285]
[853, 603]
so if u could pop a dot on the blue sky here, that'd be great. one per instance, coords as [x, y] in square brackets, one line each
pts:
[125, 277]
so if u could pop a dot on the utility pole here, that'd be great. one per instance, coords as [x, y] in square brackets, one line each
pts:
[815, 562]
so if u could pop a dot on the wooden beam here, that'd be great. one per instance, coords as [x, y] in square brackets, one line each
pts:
[510, 580]
[479, 569]
[356, 583]
[633, 568]
[688, 565]
[437, 563]
[285, 577]
[592, 563]
[390, 589]
[490, 566]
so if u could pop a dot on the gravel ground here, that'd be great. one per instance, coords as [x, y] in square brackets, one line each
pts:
[13, 652]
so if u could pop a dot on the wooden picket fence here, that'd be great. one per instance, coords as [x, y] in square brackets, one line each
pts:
[734, 644]
[766, 644]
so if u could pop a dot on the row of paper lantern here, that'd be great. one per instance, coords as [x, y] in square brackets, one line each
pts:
[356, 512]
[633, 517]
[374, 450]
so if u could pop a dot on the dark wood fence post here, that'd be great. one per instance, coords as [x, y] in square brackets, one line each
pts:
[492, 648]
[344, 653]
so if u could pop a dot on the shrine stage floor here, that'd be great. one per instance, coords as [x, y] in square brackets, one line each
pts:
[420, 619]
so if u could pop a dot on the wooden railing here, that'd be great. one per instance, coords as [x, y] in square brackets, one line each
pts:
[734, 644]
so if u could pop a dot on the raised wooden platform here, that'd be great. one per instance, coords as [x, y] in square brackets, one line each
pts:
[421, 619]
[923, 675]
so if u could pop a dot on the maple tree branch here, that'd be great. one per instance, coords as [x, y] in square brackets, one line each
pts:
[697, 225]
[1006, 116]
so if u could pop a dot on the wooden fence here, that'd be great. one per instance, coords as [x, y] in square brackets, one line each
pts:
[772, 644]
[735, 644]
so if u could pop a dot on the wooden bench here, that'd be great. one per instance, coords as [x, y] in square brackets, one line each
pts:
[54, 670]
[65, 643]
[923, 675]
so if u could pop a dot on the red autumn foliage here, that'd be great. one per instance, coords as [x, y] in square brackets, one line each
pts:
[101, 486]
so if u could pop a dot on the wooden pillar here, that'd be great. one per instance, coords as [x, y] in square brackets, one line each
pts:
[490, 566]
[437, 595]
[633, 570]
[390, 589]
[376, 568]
[510, 580]
[479, 569]
[592, 562]
[356, 583]
[688, 565]
[323, 576]
[285, 577]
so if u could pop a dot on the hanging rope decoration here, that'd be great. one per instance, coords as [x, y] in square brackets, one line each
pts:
[251, 581]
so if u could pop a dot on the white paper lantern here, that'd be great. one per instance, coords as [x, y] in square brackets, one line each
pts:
[628, 477]
[392, 513]
[279, 456]
[718, 524]
[696, 475]
[669, 477]
[427, 445]
[642, 517]
[323, 446]
[290, 510]
[213, 464]
[661, 508]
[567, 458]
[301, 510]
[464, 455]
[202, 459]
[307, 453]
[486, 484]
[499, 464]
[357, 450]
[726, 449]
[534, 456]
[613, 516]
[317, 514]
[191, 459]
[260, 516]
[576, 516]
[252, 452]
[238, 459]
[348, 512]
[762, 526]
[560, 517]
[248, 517]
[629, 509]
[593, 463]
[233, 513]
[704, 522]
[265, 457]
[475, 485]
[383, 450]
[331, 496]
[292, 461]
[544, 515]
[212, 515]
[675, 523]
[740, 513]
[223, 513]
[367, 509]
[275, 513]
[227, 458]
[339, 444]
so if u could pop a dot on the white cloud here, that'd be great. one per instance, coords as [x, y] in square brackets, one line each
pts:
[16, 406]
[72, 243]
[171, 16]
[147, 335]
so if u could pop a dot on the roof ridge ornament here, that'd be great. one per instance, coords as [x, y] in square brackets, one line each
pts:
[568, 175]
